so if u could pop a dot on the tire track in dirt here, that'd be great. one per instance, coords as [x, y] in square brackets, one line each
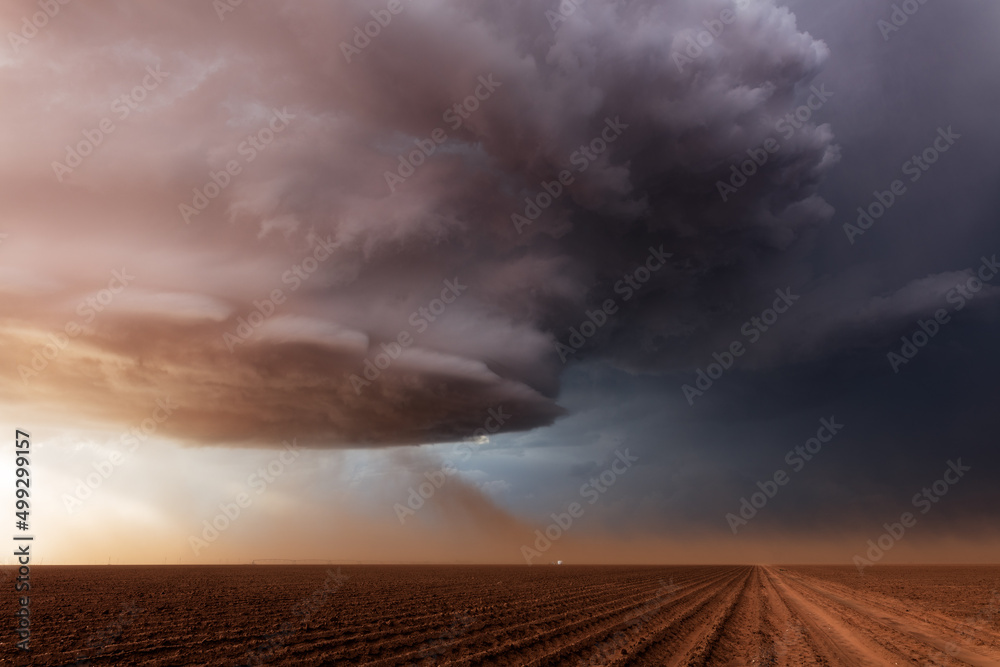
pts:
[881, 643]
[913, 612]
[835, 642]
[787, 644]
[899, 629]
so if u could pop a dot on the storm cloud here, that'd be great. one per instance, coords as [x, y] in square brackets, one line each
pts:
[293, 198]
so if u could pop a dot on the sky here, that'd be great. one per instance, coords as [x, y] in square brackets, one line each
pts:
[464, 281]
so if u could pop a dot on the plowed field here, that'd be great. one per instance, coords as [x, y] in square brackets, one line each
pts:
[496, 615]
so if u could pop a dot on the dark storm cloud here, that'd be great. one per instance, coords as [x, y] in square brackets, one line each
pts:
[299, 132]
[623, 100]
[829, 354]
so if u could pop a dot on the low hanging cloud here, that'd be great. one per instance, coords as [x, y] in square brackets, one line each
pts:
[373, 245]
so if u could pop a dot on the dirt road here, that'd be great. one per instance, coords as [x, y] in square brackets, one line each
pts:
[774, 616]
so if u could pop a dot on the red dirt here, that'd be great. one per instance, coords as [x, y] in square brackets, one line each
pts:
[498, 615]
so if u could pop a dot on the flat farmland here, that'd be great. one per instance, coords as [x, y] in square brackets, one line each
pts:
[500, 615]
